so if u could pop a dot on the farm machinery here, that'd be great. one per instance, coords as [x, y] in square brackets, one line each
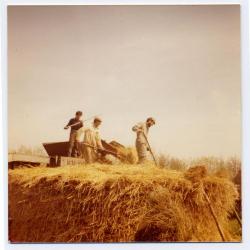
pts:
[57, 155]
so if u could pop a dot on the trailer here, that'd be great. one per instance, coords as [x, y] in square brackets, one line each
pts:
[57, 155]
[58, 151]
[15, 160]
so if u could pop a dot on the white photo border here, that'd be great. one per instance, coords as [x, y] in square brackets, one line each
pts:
[245, 87]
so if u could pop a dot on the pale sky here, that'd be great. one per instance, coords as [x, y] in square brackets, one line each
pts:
[179, 64]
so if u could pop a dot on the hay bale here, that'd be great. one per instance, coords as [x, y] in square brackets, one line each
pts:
[129, 154]
[196, 173]
[123, 203]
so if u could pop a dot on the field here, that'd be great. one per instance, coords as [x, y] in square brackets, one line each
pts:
[122, 203]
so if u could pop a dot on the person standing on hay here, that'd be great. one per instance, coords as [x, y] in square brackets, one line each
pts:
[74, 124]
[91, 141]
[141, 143]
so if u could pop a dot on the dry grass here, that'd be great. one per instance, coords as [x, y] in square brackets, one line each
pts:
[121, 203]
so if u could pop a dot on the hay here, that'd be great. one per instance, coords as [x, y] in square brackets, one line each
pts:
[129, 154]
[123, 203]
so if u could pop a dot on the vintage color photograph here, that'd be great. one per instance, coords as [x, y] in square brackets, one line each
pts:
[124, 123]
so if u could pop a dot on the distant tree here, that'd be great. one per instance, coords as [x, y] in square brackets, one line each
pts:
[37, 150]
[163, 160]
[24, 150]
[173, 163]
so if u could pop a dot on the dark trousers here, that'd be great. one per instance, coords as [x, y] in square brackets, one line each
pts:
[73, 144]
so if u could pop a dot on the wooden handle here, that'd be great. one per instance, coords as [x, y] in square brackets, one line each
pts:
[215, 217]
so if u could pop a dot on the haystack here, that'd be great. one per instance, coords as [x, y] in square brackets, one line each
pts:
[123, 203]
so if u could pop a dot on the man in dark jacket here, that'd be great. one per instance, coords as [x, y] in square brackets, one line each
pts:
[75, 124]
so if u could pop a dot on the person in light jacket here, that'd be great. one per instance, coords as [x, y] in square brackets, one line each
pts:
[91, 141]
[141, 130]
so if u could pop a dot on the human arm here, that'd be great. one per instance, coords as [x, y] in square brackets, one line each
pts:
[68, 125]
[72, 123]
[137, 128]
[79, 124]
